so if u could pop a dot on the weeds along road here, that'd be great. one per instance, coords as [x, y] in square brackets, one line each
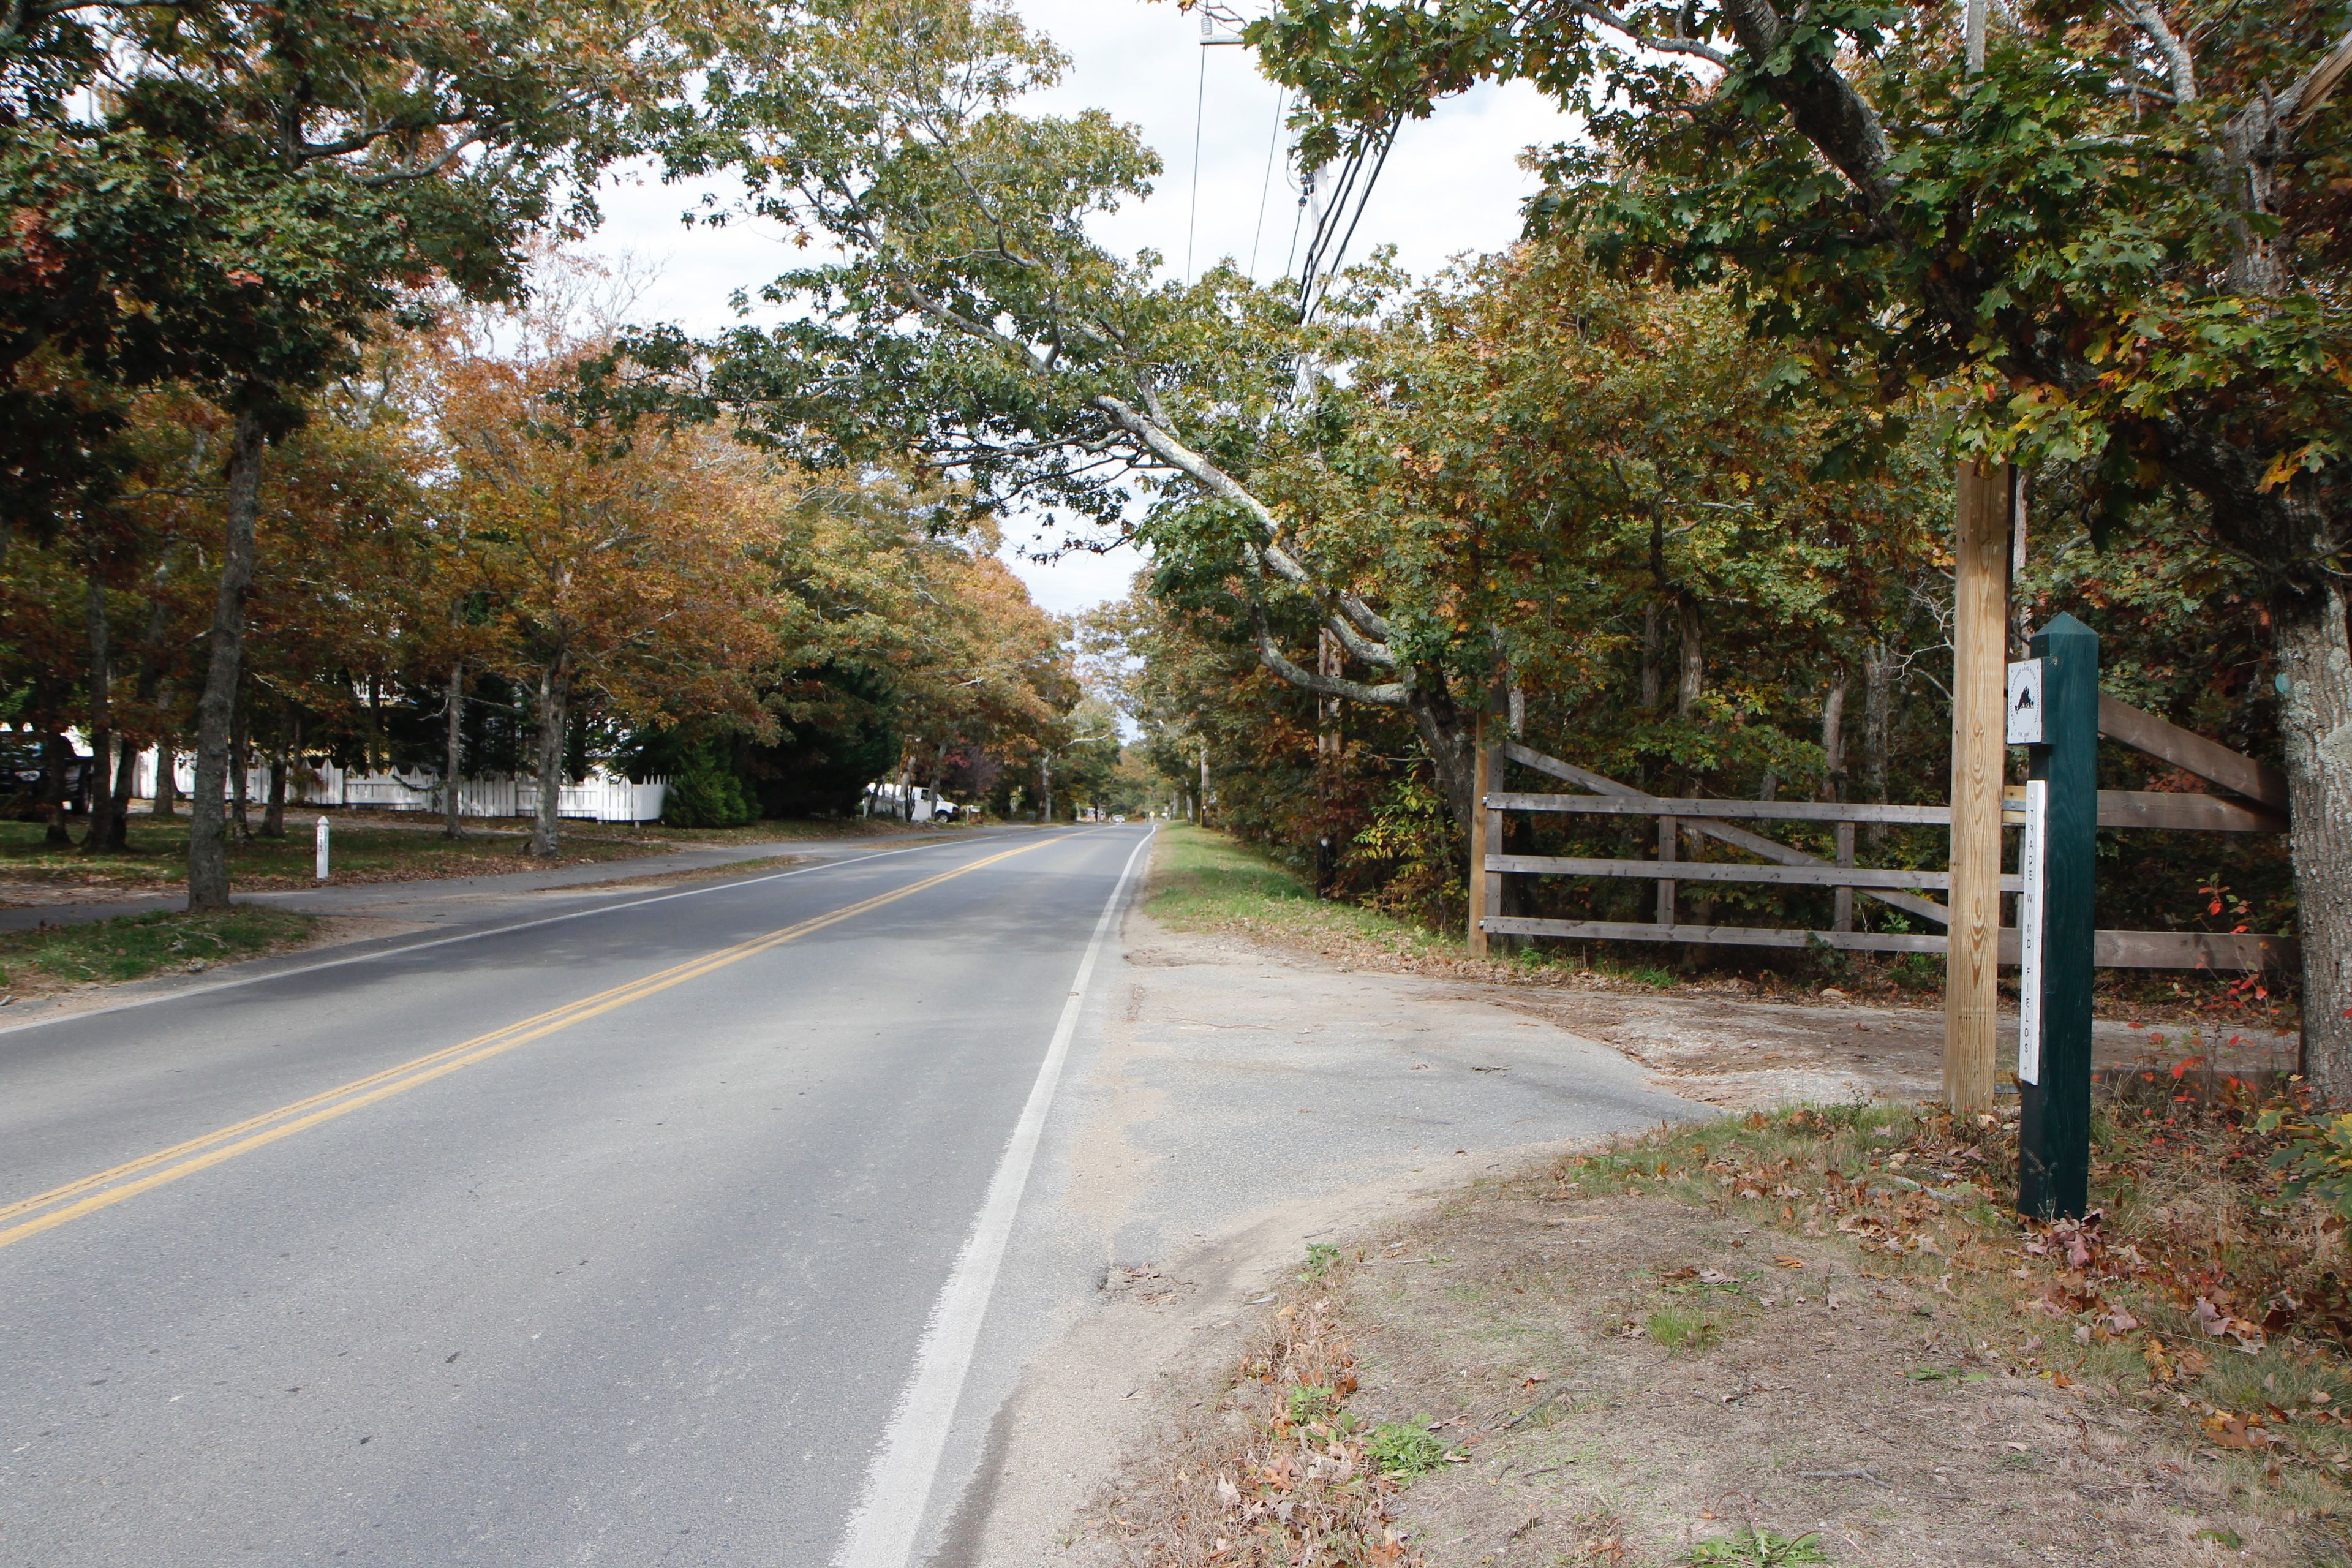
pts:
[661, 1234]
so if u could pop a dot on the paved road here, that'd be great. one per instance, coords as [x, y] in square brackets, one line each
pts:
[614, 1239]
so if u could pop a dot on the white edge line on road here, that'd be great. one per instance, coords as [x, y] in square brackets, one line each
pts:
[406, 948]
[884, 1529]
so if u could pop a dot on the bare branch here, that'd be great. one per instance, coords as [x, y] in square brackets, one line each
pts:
[2148, 19]
[1671, 46]
[2309, 96]
[1391, 694]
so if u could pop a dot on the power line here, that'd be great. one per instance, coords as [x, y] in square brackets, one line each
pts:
[1273, 140]
[1353, 189]
[1200, 105]
[1306, 195]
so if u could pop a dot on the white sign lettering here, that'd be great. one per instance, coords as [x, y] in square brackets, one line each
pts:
[2031, 871]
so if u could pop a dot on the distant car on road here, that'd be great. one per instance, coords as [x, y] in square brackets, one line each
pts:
[1119, 818]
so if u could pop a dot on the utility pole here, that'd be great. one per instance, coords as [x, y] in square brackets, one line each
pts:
[1204, 781]
[1984, 494]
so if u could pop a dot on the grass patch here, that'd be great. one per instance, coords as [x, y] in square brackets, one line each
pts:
[1205, 881]
[1680, 1329]
[373, 848]
[1403, 1450]
[1753, 1548]
[133, 946]
[2205, 1289]
[363, 851]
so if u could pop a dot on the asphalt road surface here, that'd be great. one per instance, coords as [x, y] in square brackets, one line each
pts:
[660, 1234]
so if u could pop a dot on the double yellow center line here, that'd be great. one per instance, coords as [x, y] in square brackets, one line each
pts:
[104, 1189]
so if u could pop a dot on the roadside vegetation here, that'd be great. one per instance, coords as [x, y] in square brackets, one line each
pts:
[377, 849]
[1213, 881]
[155, 857]
[1204, 881]
[133, 947]
[1814, 1336]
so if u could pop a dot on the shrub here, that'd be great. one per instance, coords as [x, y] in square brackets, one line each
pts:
[706, 792]
[1321, 1258]
[2316, 1156]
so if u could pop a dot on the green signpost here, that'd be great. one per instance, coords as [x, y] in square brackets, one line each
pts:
[2054, 711]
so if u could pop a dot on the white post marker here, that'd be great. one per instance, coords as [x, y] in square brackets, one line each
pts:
[2032, 874]
[322, 849]
[2023, 727]
[884, 1529]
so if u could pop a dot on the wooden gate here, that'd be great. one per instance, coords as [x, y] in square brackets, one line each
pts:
[2255, 802]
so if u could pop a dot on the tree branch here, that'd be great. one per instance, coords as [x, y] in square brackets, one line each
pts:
[2148, 19]
[1391, 694]
[1832, 114]
[1610, 20]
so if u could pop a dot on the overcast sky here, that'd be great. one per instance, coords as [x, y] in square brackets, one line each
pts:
[1453, 184]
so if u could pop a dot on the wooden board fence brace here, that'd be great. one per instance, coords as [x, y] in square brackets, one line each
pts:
[2117, 808]
[1903, 890]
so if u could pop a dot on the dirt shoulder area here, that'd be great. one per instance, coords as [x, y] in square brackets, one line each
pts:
[1809, 1335]
[1705, 1347]
[1729, 1041]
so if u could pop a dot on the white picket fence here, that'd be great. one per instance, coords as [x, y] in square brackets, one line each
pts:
[601, 797]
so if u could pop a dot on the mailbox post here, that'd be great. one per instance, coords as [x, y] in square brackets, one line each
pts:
[322, 868]
[2054, 711]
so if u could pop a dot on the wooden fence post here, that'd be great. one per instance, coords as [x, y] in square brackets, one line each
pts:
[1481, 780]
[1980, 665]
[1841, 917]
[1670, 834]
[1497, 842]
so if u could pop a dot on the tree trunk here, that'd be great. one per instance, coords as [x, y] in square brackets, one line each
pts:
[1448, 738]
[1692, 683]
[452, 822]
[1833, 740]
[207, 834]
[149, 683]
[57, 756]
[126, 774]
[167, 782]
[1877, 729]
[1652, 650]
[905, 803]
[554, 698]
[273, 818]
[99, 836]
[2315, 656]
[240, 745]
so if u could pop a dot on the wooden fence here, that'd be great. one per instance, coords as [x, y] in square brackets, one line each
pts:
[597, 798]
[2255, 802]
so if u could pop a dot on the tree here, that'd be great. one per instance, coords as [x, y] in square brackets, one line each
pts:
[621, 565]
[2118, 246]
[233, 194]
[973, 323]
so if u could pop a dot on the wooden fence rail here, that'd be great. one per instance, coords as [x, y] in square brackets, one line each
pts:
[2259, 809]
